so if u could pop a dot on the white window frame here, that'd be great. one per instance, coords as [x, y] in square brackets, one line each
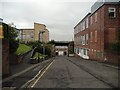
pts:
[83, 40]
[96, 36]
[110, 11]
[83, 25]
[87, 23]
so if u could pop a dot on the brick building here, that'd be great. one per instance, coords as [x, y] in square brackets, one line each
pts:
[102, 29]
[81, 36]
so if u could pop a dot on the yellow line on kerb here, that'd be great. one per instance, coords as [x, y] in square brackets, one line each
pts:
[42, 74]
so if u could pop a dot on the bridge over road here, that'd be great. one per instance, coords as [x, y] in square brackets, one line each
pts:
[63, 48]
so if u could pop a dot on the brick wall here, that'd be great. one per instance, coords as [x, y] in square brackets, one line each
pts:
[107, 32]
[96, 45]
[5, 57]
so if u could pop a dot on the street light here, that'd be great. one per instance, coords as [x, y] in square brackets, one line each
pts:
[41, 39]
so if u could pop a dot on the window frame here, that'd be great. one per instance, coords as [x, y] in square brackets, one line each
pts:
[112, 12]
[87, 38]
[87, 20]
[96, 17]
[91, 20]
[96, 35]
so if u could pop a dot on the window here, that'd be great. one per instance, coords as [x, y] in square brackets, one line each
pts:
[77, 50]
[91, 36]
[95, 36]
[80, 26]
[111, 12]
[87, 23]
[95, 17]
[86, 39]
[91, 20]
[83, 40]
[83, 25]
[84, 51]
[77, 29]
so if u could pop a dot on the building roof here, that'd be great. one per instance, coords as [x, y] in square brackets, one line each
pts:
[39, 24]
[82, 20]
[97, 5]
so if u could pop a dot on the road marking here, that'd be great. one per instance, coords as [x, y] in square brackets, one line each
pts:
[42, 74]
[19, 73]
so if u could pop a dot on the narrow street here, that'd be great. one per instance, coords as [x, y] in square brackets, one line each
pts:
[64, 74]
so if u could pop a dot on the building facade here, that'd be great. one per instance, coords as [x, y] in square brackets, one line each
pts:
[39, 33]
[102, 29]
[27, 35]
[81, 37]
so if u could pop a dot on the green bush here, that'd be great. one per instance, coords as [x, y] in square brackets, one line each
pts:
[115, 46]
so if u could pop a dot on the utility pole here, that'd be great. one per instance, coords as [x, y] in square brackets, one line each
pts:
[41, 39]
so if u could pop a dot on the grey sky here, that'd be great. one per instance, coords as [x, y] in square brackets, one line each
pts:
[59, 16]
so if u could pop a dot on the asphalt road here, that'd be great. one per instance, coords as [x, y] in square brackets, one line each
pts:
[64, 74]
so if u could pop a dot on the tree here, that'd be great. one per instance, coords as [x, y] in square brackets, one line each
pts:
[51, 42]
[10, 33]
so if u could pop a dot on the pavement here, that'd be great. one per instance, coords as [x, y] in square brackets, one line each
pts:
[104, 72]
[65, 74]
[21, 73]
[23, 65]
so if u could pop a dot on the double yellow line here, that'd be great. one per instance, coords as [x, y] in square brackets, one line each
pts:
[42, 74]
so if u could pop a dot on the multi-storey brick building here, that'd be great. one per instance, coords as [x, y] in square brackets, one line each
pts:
[82, 37]
[103, 26]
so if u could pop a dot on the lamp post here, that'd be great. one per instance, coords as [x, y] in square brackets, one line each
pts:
[41, 39]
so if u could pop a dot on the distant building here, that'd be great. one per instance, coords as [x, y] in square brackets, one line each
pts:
[39, 33]
[27, 35]
[94, 34]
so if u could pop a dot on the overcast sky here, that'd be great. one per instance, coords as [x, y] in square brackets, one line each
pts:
[60, 16]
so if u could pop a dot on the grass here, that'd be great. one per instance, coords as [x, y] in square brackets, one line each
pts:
[22, 49]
